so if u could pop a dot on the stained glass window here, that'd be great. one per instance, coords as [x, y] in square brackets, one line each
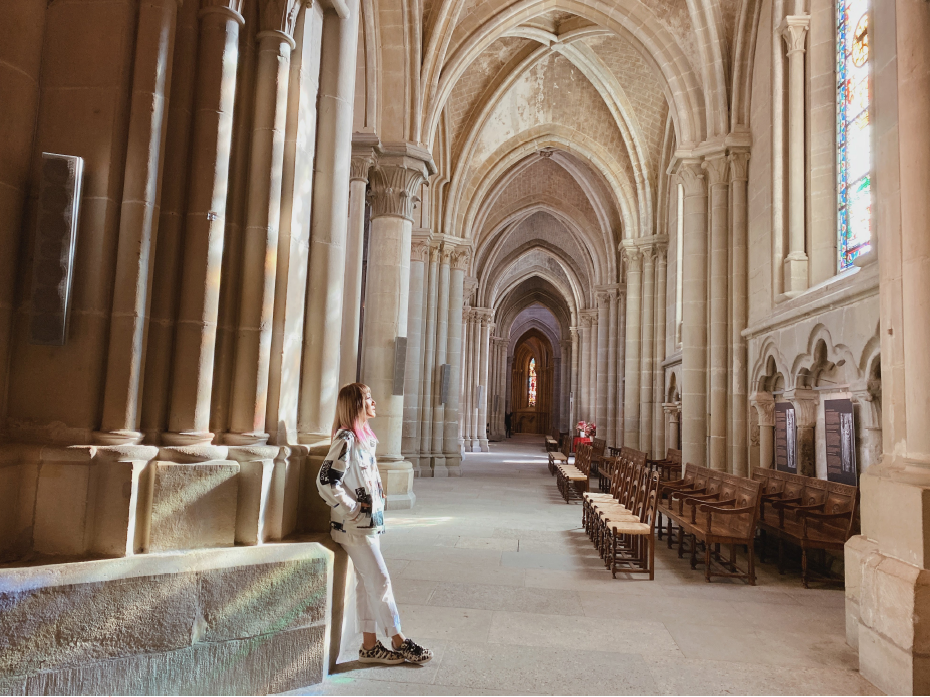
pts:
[531, 388]
[853, 132]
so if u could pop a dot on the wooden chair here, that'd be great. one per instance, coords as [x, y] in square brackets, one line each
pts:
[631, 542]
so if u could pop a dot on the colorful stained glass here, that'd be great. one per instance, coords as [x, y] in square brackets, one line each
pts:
[853, 131]
[531, 388]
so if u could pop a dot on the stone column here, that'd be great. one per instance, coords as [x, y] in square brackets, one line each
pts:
[694, 316]
[319, 380]
[410, 443]
[565, 347]
[593, 332]
[465, 416]
[139, 213]
[805, 411]
[738, 431]
[581, 410]
[671, 425]
[395, 185]
[870, 427]
[576, 371]
[452, 448]
[648, 331]
[888, 566]
[487, 327]
[632, 371]
[471, 382]
[263, 216]
[717, 175]
[659, 445]
[612, 370]
[429, 359]
[363, 157]
[603, 347]
[621, 366]
[764, 404]
[442, 335]
[195, 333]
[794, 32]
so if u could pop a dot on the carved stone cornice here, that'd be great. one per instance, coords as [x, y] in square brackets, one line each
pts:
[419, 251]
[692, 178]
[794, 32]
[716, 169]
[279, 16]
[460, 259]
[739, 165]
[764, 404]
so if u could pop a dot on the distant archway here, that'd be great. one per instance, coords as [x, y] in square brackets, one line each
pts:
[532, 383]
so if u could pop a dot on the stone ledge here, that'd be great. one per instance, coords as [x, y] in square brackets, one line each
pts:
[248, 619]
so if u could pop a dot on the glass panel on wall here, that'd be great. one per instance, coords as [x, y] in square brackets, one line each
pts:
[531, 389]
[853, 132]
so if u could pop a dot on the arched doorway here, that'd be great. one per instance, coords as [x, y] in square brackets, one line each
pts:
[532, 383]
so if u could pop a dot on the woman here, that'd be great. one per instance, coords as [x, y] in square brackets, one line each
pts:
[350, 483]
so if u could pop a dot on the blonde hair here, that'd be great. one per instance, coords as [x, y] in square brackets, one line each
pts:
[350, 411]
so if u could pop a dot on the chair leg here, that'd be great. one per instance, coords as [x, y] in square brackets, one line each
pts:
[707, 562]
[781, 556]
[752, 565]
[652, 557]
[659, 526]
[762, 541]
[804, 567]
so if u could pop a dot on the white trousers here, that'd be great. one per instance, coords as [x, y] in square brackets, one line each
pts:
[374, 597]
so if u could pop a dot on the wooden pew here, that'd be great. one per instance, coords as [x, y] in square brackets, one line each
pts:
[561, 456]
[809, 512]
[669, 467]
[572, 479]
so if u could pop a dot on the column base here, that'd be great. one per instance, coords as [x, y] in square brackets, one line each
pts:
[795, 271]
[453, 465]
[439, 466]
[397, 477]
[483, 445]
[473, 446]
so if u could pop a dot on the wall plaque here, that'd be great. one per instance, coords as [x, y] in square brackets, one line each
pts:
[445, 382]
[400, 365]
[53, 257]
[840, 436]
[786, 438]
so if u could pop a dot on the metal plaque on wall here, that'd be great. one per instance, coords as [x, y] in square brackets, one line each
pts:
[445, 381]
[53, 256]
[400, 364]
[786, 438]
[840, 435]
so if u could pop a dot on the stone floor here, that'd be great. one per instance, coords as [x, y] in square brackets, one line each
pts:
[492, 571]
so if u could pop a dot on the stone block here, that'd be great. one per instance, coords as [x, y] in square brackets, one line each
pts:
[62, 500]
[115, 510]
[263, 599]
[193, 505]
[47, 627]
[256, 469]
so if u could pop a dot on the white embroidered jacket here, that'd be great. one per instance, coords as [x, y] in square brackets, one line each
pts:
[349, 482]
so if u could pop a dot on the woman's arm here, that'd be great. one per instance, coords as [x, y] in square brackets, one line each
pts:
[329, 483]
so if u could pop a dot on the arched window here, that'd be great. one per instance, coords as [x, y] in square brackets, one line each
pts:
[853, 132]
[531, 386]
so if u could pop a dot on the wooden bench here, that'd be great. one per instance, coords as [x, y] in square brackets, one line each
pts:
[808, 512]
[669, 468]
[551, 444]
[714, 508]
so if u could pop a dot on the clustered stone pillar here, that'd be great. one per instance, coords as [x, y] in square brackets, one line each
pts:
[631, 406]
[576, 373]
[319, 380]
[452, 447]
[603, 322]
[195, 333]
[395, 184]
[139, 215]
[442, 333]
[718, 189]
[738, 363]
[263, 216]
[648, 359]
[659, 445]
[483, 329]
[410, 442]
[795, 278]
[428, 369]
[612, 371]
[694, 316]
[621, 368]
[363, 157]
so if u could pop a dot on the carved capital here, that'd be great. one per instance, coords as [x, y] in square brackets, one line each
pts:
[460, 259]
[228, 9]
[445, 255]
[870, 414]
[739, 165]
[794, 32]
[692, 178]
[279, 16]
[419, 251]
[764, 404]
[359, 166]
[434, 254]
[634, 259]
[395, 187]
[573, 332]
[716, 170]
[805, 405]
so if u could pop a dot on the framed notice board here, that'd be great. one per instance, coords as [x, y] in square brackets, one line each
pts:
[840, 436]
[786, 438]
